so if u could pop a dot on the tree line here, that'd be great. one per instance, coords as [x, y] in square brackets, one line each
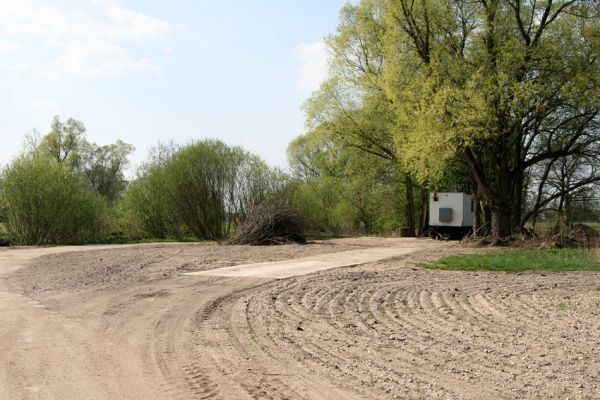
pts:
[64, 189]
[495, 97]
[499, 98]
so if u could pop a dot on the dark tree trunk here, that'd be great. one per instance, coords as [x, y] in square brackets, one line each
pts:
[409, 208]
[517, 200]
[477, 222]
[424, 211]
[501, 223]
[486, 216]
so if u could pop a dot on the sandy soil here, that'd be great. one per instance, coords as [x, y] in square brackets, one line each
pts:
[122, 267]
[124, 323]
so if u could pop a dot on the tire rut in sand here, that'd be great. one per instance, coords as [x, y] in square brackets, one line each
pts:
[388, 332]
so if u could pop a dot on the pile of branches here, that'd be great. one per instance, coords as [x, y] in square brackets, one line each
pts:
[270, 223]
[579, 236]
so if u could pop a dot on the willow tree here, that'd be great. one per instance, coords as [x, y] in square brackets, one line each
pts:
[352, 106]
[502, 85]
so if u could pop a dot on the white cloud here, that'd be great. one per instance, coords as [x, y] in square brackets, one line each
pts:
[43, 105]
[6, 47]
[313, 69]
[87, 39]
[21, 67]
[100, 58]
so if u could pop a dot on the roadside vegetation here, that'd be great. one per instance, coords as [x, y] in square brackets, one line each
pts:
[496, 98]
[202, 190]
[554, 260]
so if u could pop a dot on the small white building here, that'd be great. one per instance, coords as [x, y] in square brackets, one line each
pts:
[450, 214]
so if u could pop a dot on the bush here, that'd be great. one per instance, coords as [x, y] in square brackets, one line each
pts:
[47, 204]
[147, 207]
[204, 189]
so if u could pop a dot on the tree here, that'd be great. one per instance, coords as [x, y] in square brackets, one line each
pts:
[563, 185]
[501, 85]
[63, 142]
[103, 168]
[59, 189]
[352, 105]
[344, 189]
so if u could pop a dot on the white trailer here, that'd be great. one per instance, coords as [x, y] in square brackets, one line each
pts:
[450, 215]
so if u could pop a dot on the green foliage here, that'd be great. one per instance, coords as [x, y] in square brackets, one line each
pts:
[61, 188]
[520, 260]
[147, 207]
[4, 232]
[342, 190]
[493, 88]
[62, 143]
[48, 204]
[102, 167]
[203, 189]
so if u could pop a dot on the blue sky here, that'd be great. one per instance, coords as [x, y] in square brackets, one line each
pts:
[150, 70]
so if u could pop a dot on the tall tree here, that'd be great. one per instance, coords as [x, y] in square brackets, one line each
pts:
[502, 85]
[352, 106]
[103, 167]
[63, 142]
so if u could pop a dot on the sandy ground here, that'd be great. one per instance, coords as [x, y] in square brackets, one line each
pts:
[126, 323]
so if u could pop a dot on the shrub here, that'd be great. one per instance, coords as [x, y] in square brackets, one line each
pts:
[47, 204]
[204, 189]
[147, 204]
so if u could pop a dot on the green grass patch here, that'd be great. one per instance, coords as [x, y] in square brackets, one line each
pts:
[521, 260]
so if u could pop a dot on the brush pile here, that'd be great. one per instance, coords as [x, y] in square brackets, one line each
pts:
[579, 236]
[271, 223]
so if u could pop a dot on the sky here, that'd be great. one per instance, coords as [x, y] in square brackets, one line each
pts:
[145, 71]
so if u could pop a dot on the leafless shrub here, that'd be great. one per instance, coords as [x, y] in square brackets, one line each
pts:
[270, 223]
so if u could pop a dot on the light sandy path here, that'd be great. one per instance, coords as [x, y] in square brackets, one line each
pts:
[125, 324]
[307, 265]
[139, 340]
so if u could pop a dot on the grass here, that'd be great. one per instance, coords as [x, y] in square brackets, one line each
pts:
[555, 260]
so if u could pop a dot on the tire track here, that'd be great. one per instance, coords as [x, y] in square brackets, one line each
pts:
[390, 332]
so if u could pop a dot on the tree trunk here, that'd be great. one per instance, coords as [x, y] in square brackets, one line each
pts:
[501, 223]
[409, 208]
[424, 211]
[477, 223]
[517, 200]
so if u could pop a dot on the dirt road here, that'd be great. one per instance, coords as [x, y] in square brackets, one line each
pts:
[127, 324]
